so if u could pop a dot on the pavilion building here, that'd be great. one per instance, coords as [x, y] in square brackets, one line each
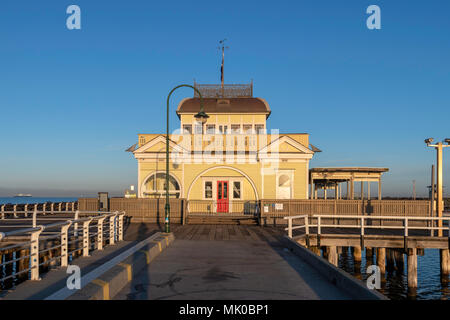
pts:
[231, 157]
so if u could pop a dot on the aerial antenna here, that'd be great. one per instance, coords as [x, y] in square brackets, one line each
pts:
[222, 47]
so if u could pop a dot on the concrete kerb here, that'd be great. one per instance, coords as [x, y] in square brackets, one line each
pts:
[111, 282]
[341, 279]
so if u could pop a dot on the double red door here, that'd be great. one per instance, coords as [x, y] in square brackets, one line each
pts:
[222, 196]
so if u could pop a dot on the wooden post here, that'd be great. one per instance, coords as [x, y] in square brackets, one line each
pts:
[357, 254]
[352, 189]
[325, 251]
[332, 255]
[362, 190]
[390, 261]
[379, 188]
[311, 195]
[368, 190]
[399, 260]
[381, 259]
[348, 190]
[369, 256]
[412, 268]
[315, 249]
[445, 264]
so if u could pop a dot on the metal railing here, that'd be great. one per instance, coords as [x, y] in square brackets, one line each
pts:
[362, 225]
[51, 208]
[54, 244]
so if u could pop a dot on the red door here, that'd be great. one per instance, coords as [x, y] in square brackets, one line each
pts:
[222, 196]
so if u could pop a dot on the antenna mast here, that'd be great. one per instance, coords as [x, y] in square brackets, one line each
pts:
[222, 47]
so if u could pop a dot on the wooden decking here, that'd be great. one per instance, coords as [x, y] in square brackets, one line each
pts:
[228, 232]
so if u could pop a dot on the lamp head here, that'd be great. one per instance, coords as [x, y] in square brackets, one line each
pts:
[201, 117]
[429, 140]
[447, 140]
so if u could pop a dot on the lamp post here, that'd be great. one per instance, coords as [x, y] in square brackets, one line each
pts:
[439, 146]
[202, 117]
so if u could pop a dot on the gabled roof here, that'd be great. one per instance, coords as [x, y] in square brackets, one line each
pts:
[225, 105]
[159, 139]
[286, 139]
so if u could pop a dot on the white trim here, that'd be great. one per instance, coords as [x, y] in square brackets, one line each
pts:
[156, 140]
[142, 185]
[223, 167]
[307, 179]
[289, 140]
[290, 174]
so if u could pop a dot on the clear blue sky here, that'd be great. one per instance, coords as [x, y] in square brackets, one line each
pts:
[72, 101]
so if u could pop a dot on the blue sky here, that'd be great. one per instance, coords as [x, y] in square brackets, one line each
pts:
[72, 101]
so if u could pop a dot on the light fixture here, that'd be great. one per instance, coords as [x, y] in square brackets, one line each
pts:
[201, 116]
[429, 140]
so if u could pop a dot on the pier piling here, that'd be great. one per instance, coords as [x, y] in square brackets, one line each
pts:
[445, 264]
[357, 253]
[381, 259]
[412, 268]
[390, 260]
[332, 255]
[399, 260]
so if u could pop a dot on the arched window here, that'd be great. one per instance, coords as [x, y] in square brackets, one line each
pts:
[284, 181]
[155, 186]
[284, 190]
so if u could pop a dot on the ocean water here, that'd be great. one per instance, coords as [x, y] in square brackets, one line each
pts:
[395, 283]
[31, 200]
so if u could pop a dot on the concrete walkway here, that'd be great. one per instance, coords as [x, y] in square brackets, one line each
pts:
[216, 270]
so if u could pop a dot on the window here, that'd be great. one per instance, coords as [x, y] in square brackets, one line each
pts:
[236, 190]
[198, 128]
[210, 129]
[247, 128]
[188, 128]
[208, 189]
[259, 128]
[223, 129]
[235, 128]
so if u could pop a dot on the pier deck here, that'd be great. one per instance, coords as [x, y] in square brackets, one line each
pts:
[229, 262]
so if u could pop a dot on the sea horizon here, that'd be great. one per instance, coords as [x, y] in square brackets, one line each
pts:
[32, 200]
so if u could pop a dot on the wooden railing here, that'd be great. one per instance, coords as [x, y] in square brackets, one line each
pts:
[282, 208]
[241, 207]
[152, 210]
[149, 210]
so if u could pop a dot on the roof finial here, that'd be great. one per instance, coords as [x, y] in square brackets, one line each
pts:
[222, 47]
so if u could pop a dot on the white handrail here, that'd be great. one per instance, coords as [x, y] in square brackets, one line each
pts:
[41, 232]
[362, 225]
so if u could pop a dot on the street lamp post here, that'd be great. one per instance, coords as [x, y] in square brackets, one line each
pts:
[439, 147]
[202, 117]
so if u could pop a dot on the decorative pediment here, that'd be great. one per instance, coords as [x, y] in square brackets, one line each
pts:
[158, 145]
[286, 144]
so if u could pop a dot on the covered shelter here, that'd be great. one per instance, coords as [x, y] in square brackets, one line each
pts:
[332, 178]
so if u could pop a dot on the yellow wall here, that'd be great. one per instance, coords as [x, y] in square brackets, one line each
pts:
[189, 174]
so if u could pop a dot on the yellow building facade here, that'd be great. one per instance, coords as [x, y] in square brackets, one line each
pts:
[232, 157]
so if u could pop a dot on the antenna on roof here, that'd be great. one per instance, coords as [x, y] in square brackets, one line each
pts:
[222, 47]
